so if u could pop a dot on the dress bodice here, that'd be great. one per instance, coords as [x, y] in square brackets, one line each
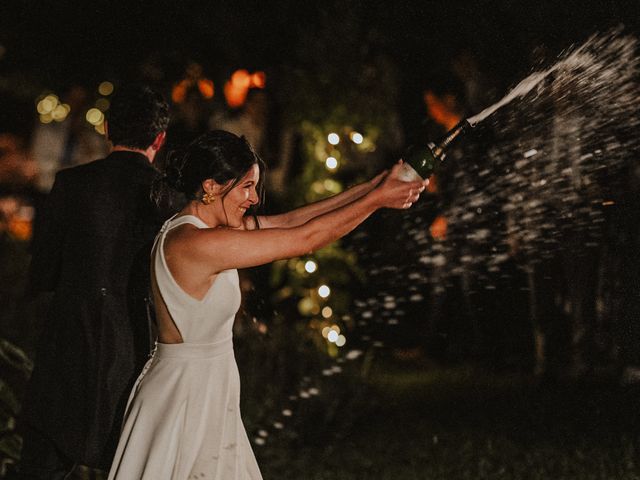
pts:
[209, 319]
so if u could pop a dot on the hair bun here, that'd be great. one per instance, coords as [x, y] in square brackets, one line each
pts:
[173, 170]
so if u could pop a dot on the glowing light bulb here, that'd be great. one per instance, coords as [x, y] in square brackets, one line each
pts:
[327, 312]
[341, 340]
[333, 336]
[310, 266]
[324, 291]
[331, 163]
[333, 138]
[357, 138]
[325, 332]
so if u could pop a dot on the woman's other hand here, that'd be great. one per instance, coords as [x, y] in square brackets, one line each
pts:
[394, 193]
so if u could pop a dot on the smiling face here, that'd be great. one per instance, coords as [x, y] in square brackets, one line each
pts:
[235, 203]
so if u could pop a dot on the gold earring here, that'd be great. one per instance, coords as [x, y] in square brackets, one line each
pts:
[208, 197]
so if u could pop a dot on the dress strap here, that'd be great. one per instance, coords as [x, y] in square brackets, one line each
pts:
[176, 221]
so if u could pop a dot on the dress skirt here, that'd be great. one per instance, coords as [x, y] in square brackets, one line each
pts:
[183, 418]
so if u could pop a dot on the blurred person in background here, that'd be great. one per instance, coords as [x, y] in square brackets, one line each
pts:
[90, 249]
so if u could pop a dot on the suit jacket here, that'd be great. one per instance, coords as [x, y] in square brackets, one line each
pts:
[91, 249]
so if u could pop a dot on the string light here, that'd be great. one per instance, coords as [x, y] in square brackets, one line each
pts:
[331, 163]
[356, 138]
[324, 291]
[333, 138]
[310, 266]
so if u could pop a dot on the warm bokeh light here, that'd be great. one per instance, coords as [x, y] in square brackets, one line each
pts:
[179, 91]
[237, 88]
[241, 78]
[310, 266]
[105, 88]
[60, 112]
[332, 186]
[432, 186]
[94, 116]
[327, 312]
[443, 109]
[332, 336]
[341, 340]
[235, 94]
[307, 306]
[258, 80]
[333, 138]
[206, 88]
[50, 109]
[438, 228]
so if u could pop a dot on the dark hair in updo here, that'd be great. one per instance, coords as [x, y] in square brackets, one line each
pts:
[219, 155]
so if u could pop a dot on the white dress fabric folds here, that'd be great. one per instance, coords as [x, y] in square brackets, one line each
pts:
[183, 417]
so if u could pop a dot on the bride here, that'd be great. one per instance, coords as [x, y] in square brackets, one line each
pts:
[183, 420]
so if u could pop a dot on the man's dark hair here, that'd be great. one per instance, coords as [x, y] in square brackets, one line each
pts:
[136, 116]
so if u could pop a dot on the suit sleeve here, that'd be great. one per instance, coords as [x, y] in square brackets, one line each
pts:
[48, 240]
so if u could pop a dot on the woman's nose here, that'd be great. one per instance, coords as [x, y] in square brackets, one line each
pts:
[253, 197]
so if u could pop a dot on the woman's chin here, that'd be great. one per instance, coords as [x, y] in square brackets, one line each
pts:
[236, 222]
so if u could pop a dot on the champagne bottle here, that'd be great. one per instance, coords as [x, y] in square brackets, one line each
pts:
[420, 162]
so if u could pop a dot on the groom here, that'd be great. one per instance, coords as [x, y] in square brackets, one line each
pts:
[91, 250]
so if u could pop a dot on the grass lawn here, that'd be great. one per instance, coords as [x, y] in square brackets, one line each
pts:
[429, 423]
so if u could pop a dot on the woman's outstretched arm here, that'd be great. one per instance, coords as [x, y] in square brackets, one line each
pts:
[305, 213]
[222, 249]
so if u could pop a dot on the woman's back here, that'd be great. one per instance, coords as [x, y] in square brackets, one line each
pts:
[180, 316]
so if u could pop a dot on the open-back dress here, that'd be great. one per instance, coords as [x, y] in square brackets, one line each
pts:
[183, 416]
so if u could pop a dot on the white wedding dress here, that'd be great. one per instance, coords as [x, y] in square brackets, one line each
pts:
[183, 416]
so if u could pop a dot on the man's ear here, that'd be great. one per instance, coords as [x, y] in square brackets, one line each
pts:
[158, 142]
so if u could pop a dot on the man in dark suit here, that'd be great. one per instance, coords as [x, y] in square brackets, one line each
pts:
[91, 249]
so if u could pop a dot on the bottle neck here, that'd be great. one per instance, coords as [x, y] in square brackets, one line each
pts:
[442, 145]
